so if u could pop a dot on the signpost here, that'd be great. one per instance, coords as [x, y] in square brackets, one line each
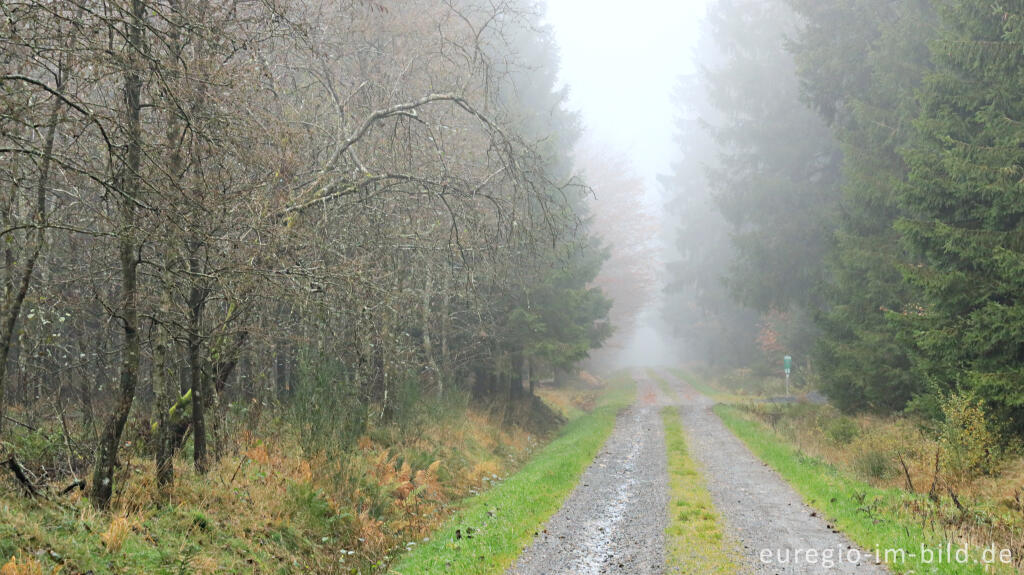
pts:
[787, 364]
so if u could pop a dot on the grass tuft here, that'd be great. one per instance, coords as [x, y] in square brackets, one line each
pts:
[26, 566]
[113, 538]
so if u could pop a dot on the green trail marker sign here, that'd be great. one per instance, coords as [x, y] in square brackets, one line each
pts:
[787, 364]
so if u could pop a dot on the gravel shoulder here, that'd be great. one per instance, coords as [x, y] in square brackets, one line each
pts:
[614, 520]
[762, 512]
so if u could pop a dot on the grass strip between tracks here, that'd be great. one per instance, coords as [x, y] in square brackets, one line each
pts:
[694, 541]
[489, 534]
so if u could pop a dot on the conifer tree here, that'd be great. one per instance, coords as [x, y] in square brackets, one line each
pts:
[860, 62]
[771, 178]
[964, 207]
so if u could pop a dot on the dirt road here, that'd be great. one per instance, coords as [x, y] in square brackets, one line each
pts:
[614, 520]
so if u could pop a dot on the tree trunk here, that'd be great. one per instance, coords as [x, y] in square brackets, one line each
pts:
[428, 344]
[164, 438]
[525, 381]
[197, 301]
[11, 313]
[280, 370]
[222, 371]
[106, 455]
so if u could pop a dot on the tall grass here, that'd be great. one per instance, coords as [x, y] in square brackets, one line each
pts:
[309, 494]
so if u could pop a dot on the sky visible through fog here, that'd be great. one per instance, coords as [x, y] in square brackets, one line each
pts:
[621, 61]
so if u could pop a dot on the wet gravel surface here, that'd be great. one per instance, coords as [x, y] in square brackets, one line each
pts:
[614, 521]
[762, 512]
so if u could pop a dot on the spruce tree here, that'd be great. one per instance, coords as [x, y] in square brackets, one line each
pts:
[776, 176]
[964, 207]
[860, 62]
[757, 186]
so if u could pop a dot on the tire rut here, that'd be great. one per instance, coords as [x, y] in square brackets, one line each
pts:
[614, 520]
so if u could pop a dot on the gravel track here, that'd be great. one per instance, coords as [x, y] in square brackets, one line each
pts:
[614, 520]
[761, 510]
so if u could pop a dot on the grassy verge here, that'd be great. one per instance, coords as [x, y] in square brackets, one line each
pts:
[874, 518]
[491, 531]
[274, 504]
[694, 539]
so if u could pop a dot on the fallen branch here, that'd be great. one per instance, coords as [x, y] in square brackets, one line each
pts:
[80, 484]
[956, 500]
[21, 475]
[237, 469]
[15, 421]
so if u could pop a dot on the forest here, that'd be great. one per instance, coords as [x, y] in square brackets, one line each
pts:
[294, 286]
[221, 214]
[850, 193]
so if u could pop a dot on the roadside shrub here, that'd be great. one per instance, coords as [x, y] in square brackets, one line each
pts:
[842, 430]
[875, 451]
[313, 510]
[875, 465]
[327, 408]
[926, 407]
[37, 449]
[970, 447]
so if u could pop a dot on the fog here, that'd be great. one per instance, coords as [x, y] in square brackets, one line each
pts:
[371, 247]
[621, 63]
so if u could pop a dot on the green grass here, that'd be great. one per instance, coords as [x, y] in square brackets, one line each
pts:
[694, 538]
[490, 532]
[873, 518]
[76, 540]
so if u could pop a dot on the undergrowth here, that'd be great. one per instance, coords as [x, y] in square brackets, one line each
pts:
[279, 500]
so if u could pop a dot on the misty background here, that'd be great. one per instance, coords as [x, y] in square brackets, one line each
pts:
[621, 64]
